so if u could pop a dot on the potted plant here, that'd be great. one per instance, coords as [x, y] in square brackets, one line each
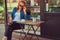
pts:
[34, 15]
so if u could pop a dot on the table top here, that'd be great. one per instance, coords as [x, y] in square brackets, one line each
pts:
[30, 22]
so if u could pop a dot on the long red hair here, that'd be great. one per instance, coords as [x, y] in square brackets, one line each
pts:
[23, 4]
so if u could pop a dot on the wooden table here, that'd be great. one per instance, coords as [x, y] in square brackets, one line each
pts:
[31, 24]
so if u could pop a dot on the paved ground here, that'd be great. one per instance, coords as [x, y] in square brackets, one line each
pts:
[2, 28]
[16, 37]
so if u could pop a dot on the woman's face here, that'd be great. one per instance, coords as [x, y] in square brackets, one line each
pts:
[20, 7]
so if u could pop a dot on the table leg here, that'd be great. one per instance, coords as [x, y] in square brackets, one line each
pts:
[27, 32]
[35, 31]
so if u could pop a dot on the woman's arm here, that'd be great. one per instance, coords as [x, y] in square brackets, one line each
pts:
[13, 12]
[24, 9]
[27, 12]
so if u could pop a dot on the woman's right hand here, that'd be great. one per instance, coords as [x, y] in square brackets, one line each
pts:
[24, 9]
[10, 19]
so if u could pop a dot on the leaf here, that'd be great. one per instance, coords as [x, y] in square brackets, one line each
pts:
[34, 15]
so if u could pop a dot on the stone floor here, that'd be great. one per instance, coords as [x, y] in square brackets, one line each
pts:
[2, 29]
[16, 35]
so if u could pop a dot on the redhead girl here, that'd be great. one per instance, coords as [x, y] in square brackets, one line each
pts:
[17, 15]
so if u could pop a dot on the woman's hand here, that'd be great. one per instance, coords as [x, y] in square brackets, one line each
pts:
[38, 24]
[24, 9]
[10, 19]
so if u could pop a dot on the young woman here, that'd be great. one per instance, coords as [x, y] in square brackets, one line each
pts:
[17, 15]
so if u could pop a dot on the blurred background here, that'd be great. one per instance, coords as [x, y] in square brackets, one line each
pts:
[51, 6]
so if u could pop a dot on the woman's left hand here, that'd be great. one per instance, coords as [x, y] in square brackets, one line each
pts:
[38, 23]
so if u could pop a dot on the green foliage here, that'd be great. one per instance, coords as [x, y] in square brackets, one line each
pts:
[1, 9]
[1, 2]
[1, 6]
[34, 15]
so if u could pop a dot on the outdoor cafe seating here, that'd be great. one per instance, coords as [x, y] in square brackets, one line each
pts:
[30, 29]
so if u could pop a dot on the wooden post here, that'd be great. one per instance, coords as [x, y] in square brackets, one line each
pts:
[5, 14]
[42, 9]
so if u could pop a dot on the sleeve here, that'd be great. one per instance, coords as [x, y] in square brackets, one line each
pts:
[28, 11]
[14, 10]
[28, 14]
[22, 15]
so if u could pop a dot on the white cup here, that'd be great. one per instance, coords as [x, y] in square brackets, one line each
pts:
[34, 19]
[23, 20]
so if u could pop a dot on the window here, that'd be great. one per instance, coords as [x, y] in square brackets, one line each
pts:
[54, 5]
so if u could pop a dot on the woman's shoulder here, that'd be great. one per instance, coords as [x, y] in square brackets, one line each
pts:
[15, 8]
